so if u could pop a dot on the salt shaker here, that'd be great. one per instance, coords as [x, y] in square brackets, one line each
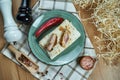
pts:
[11, 31]
[24, 14]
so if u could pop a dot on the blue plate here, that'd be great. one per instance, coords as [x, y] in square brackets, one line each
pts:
[69, 54]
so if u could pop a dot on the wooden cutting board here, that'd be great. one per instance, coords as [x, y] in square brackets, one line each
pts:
[8, 69]
[101, 71]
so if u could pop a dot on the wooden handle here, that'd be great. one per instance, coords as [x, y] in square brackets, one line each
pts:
[13, 49]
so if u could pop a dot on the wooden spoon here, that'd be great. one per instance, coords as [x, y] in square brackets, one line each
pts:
[24, 60]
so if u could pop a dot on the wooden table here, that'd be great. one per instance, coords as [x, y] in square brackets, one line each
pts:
[11, 71]
[101, 71]
[8, 69]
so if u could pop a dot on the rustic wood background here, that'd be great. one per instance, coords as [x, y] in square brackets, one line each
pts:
[11, 71]
[101, 71]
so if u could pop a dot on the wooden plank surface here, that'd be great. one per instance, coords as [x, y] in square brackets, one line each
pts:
[11, 71]
[104, 72]
[2, 40]
[101, 71]
[8, 69]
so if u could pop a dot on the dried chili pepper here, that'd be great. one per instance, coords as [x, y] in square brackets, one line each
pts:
[48, 24]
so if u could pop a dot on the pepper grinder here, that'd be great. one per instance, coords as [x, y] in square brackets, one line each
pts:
[11, 31]
[24, 13]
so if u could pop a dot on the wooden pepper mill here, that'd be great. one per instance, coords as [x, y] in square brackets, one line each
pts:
[11, 31]
[24, 14]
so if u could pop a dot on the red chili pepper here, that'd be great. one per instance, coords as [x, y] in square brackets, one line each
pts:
[48, 24]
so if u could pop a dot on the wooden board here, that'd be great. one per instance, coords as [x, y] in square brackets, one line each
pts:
[101, 71]
[8, 69]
